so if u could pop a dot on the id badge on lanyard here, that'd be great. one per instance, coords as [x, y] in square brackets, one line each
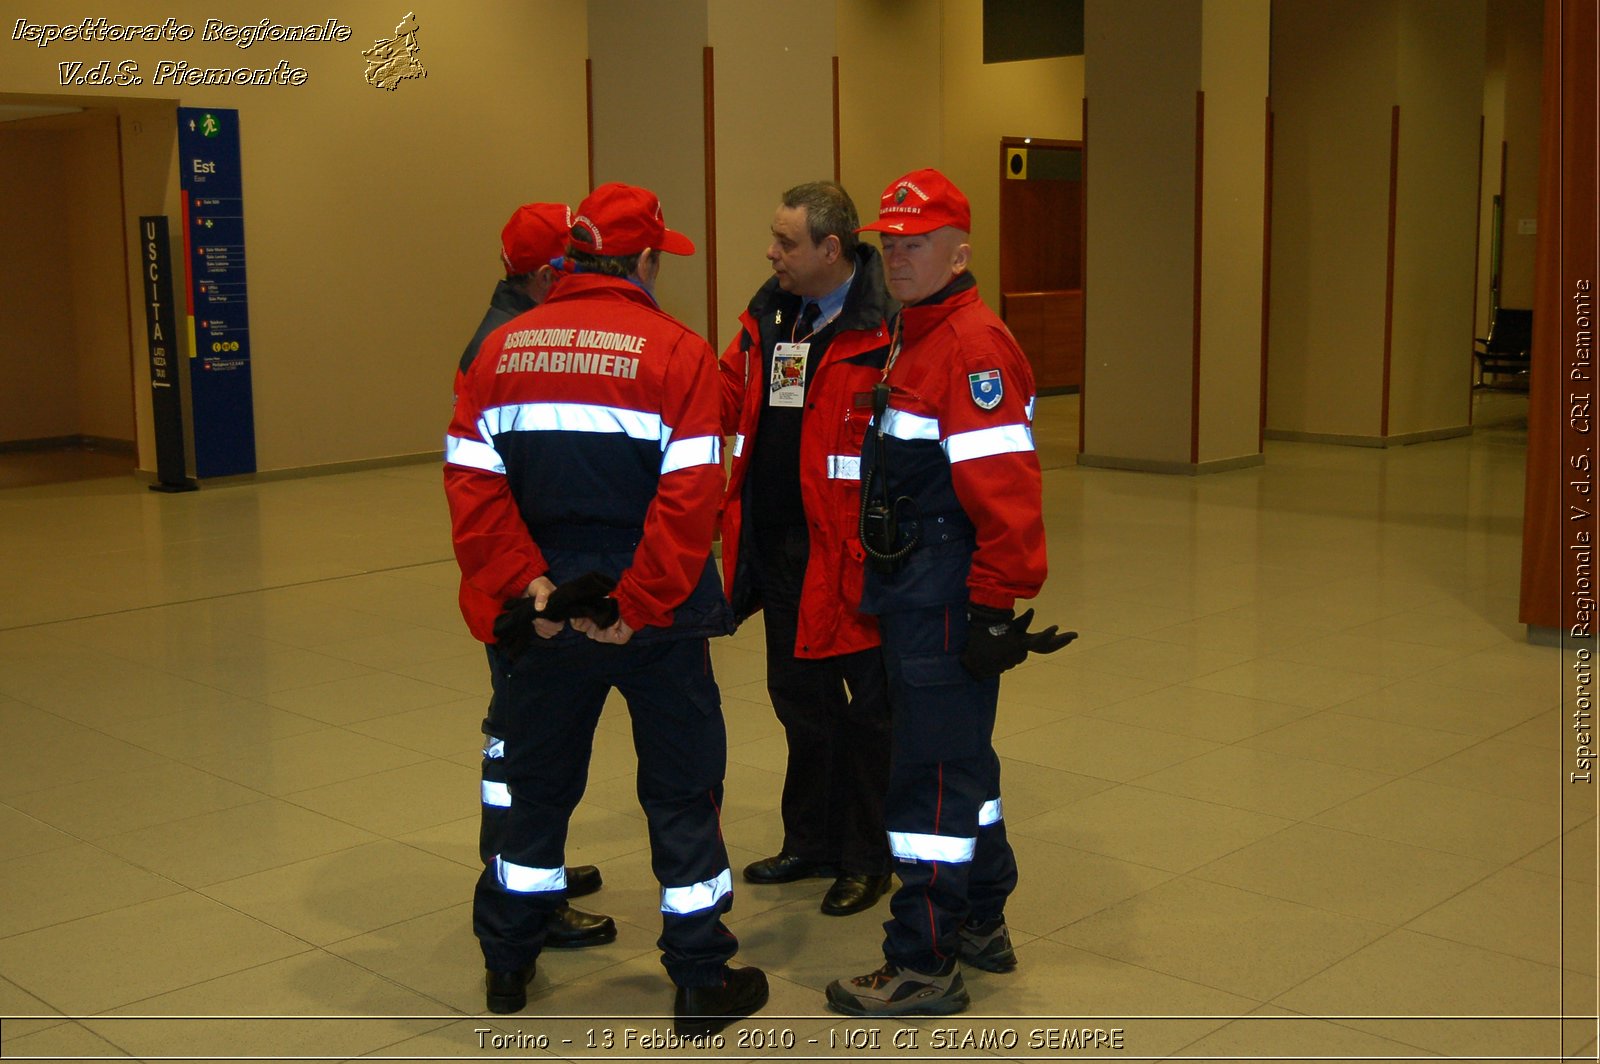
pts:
[787, 387]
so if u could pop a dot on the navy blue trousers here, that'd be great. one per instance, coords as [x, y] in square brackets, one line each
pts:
[835, 716]
[943, 810]
[546, 712]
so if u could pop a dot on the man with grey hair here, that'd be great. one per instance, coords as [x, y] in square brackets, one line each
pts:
[796, 396]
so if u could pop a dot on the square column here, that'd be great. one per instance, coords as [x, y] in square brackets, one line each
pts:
[1376, 129]
[1176, 144]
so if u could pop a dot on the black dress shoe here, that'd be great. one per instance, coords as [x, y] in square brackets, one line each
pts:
[582, 879]
[570, 929]
[702, 1010]
[786, 868]
[854, 894]
[508, 991]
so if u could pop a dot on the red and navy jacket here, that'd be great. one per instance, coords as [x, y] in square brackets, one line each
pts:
[838, 406]
[957, 441]
[586, 436]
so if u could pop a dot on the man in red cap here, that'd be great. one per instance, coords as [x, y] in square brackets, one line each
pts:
[535, 234]
[586, 453]
[952, 528]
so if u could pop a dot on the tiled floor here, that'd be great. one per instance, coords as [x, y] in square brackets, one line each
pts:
[1298, 785]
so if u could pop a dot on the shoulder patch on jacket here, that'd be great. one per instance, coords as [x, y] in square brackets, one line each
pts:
[987, 388]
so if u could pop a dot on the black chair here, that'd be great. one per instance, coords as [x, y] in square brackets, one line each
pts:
[1505, 350]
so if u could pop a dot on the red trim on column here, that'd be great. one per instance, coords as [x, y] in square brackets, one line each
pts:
[1559, 505]
[1266, 280]
[1083, 272]
[1388, 283]
[707, 66]
[588, 102]
[1504, 148]
[836, 169]
[1477, 259]
[133, 362]
[1199, 234]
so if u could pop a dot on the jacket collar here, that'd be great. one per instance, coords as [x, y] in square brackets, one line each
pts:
[579, 285]
[510, 297]
[866, 305]
[923, 315]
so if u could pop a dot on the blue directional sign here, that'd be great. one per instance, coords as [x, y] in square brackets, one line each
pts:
[219, 302]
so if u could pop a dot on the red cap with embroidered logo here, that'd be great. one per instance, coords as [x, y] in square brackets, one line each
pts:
[920, 202]
[536, 233]
[618, 219]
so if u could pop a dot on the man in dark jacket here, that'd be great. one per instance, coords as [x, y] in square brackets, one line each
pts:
[796, 383]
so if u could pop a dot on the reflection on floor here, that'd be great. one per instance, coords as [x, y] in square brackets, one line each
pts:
[1300, 772]
[21, 469]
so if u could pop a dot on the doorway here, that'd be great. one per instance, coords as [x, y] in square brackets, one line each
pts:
[65, 341]
[1041, 256]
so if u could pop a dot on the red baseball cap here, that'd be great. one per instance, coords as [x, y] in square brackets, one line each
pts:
[618, 219]
[536, 233]
[920, 202]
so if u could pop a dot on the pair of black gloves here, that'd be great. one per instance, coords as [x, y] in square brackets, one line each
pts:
[998, 640]
[588, 596]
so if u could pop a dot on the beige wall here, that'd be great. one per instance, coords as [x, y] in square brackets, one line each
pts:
[372, 217]
[1139, 323]
[891, 120]
[1524, 36]
[649, 124]
[1494, 131]
[981, 104]
[1332, 88]
[1439, 88]
[1338, 71]
[774, 130]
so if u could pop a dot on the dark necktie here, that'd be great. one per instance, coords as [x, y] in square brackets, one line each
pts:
[808, 321]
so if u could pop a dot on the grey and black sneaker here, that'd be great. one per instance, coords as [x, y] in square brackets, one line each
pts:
[895, 991]
[986, 944]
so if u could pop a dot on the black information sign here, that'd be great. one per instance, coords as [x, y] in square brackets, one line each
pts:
[161, 329]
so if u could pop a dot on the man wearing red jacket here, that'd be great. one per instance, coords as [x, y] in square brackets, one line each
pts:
[952, 526]
[586, 447]
[796, 383]
[534, 236]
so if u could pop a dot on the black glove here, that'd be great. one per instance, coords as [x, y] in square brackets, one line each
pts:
[582, 596]
[998, 640]
[513, 629]
[588, 595]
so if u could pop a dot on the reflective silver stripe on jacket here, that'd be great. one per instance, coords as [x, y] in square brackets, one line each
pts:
[981, 443]
[844, 467]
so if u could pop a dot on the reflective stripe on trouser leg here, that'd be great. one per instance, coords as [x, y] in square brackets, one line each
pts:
[495, 796]
[545, 712]
[994, 866]
[682, 747]
[697, 897]
[935, 867]
[494, 799]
